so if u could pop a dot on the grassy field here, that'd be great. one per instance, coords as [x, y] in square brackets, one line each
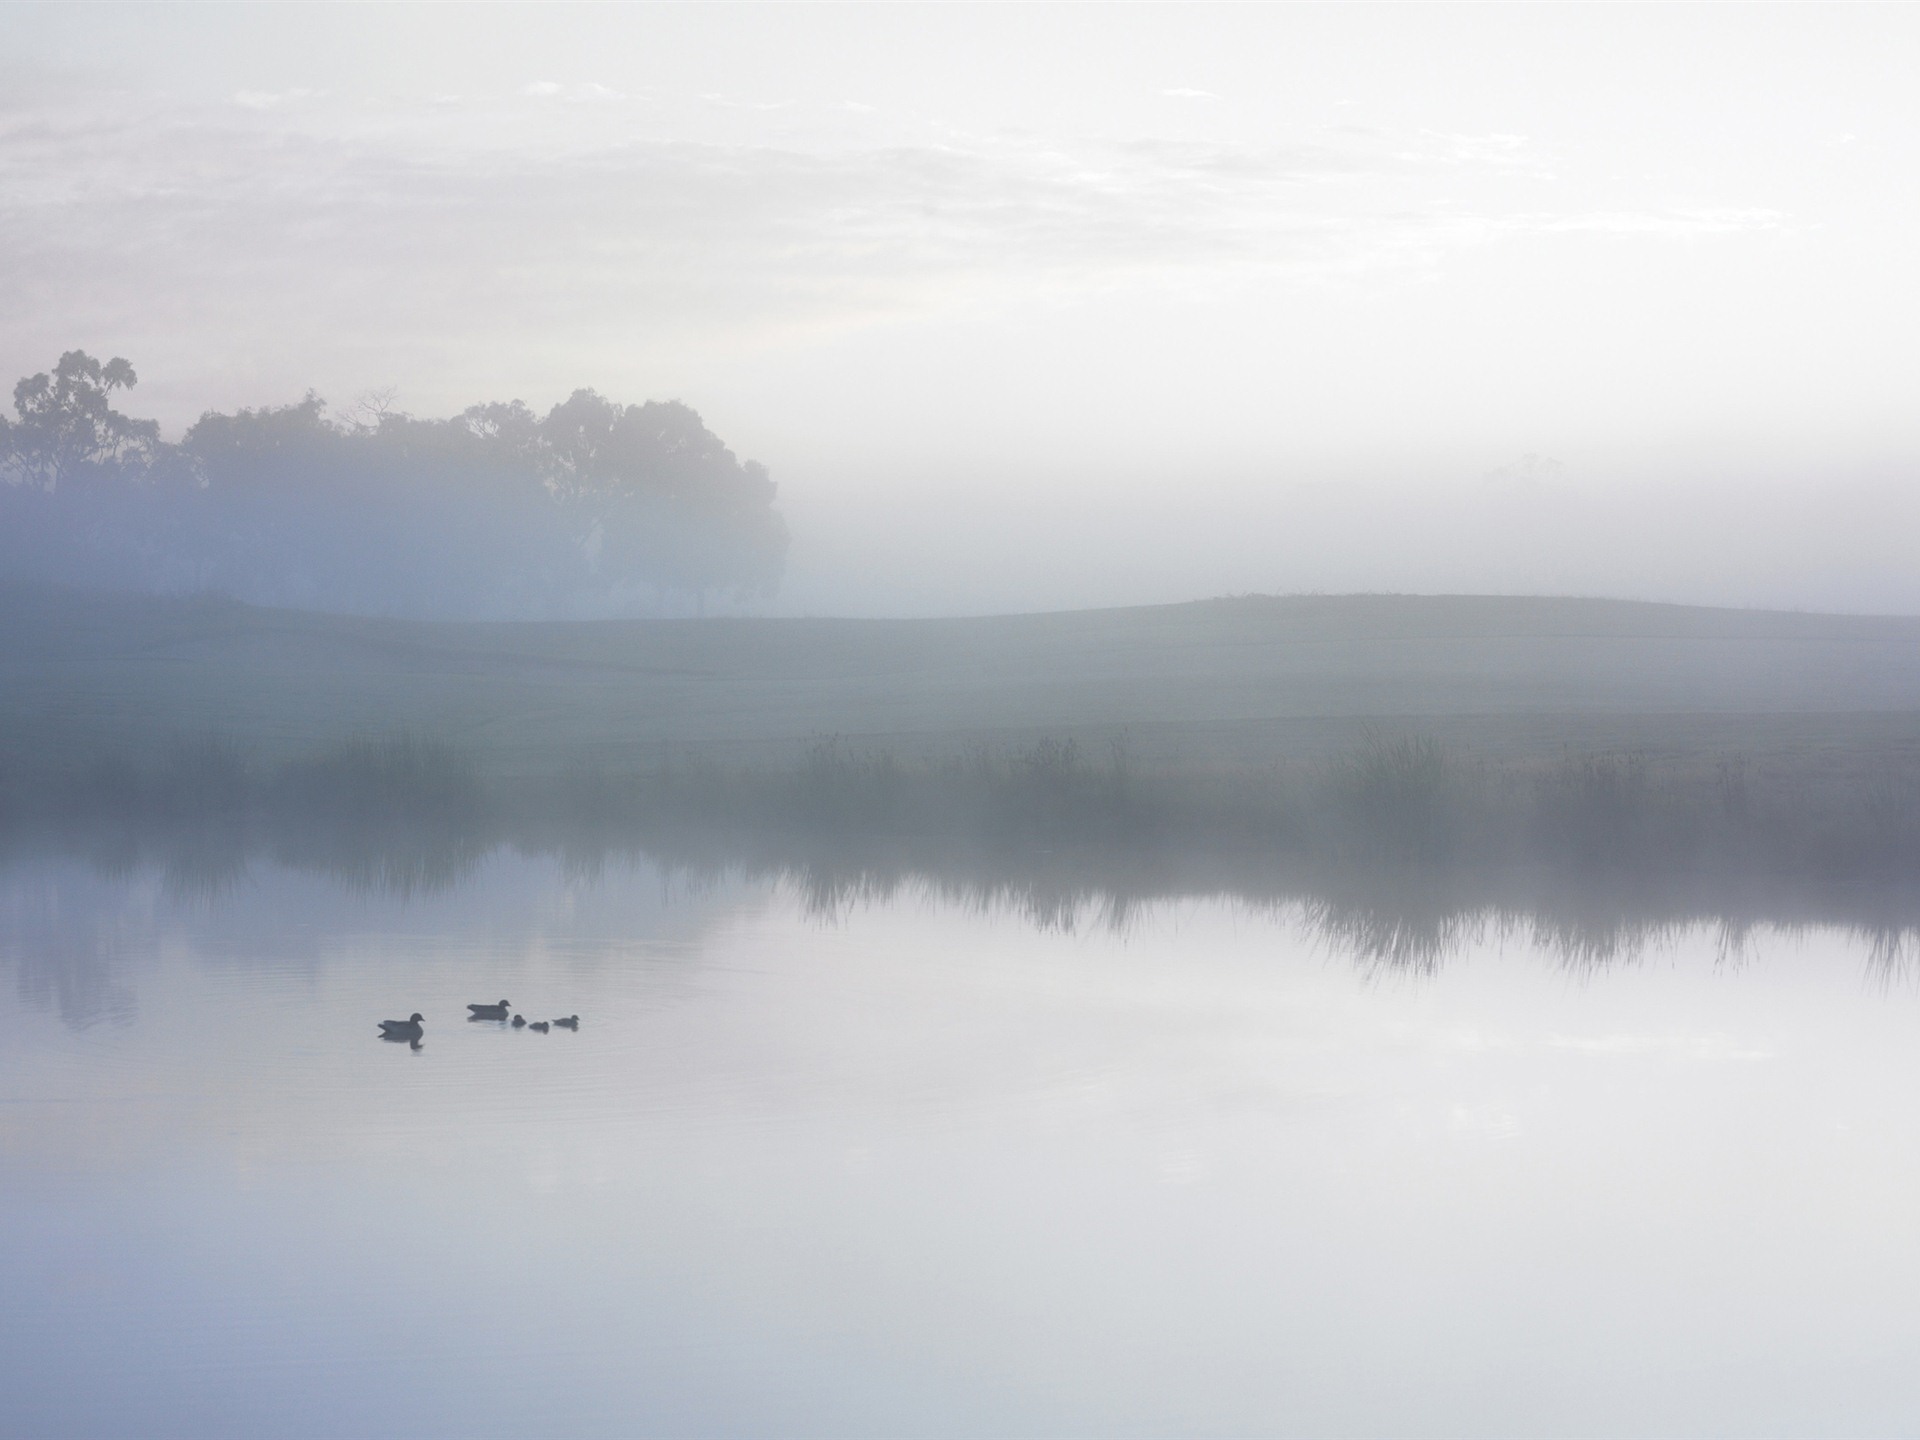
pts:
[1407, 765]
[1215, 687]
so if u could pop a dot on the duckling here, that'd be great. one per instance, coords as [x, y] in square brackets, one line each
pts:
[488, 1012]
[539, 1025]
[572, 1022]
[408, 1029]
[518, 1021]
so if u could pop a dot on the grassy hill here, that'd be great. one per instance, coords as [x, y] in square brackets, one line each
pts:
[1213, 685]
[1393, 757]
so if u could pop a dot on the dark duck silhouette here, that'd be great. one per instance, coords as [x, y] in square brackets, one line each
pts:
[539, 1025]
[518, 1021]
[408, 1029]
[488, 1012]
[572, 1022]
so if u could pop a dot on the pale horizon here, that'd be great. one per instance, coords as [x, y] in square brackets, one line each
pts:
[1036, 309]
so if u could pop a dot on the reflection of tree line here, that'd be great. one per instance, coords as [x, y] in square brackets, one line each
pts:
[65, 957]
[1396, 855]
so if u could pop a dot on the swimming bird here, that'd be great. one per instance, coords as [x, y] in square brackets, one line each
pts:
[488, 1012]
[408, 1029]
[572, 1022]
[518, 1021]
[539, 1025]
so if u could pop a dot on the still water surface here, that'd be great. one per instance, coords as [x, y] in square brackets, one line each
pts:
[917, 1167]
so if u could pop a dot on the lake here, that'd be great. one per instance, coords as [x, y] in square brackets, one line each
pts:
[912, 1163]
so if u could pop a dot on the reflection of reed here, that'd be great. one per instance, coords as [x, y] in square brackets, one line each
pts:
[1893, 955]
[395, 814]
[1413, 937]
[1386, 915]
[1393, 912]
[1397, 855]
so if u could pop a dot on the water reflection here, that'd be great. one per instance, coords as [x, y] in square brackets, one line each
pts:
[63, 935]
[69, 917]
[1385, 906]
[863, 1150]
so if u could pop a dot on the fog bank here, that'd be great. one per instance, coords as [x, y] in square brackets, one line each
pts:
[1050, 307]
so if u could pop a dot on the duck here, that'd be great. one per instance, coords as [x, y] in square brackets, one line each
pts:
[518, 1021]
[488, 1012]
[572, 1022]
[408, 1029]
[539, 1025]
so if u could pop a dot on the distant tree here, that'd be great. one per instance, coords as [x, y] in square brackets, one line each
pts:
[507, 427]
[593, 508]
[255, 450]
[666, 500]
[67, 425]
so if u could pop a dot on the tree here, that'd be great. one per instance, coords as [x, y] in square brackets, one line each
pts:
[67, 425]
[664, 499]
[594, 508]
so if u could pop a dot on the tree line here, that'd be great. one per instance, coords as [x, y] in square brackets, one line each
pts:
[592, 508]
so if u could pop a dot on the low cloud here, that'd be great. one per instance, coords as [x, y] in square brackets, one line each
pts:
[423, 232]
[271, 99]
[879, 216]
[579, 92]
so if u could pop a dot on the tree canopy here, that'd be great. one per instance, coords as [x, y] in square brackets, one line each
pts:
[593, 508]
[66, 425]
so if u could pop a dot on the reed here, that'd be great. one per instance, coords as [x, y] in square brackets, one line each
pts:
[1045, 822]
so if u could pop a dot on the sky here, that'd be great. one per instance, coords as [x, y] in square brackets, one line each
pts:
[1027, 308]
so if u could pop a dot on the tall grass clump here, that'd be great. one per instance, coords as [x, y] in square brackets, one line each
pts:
[1398, 799]
[1605, 810]
[397, 811]
[841, 787]
[1048, 790]
[202, 779]
[393, 777]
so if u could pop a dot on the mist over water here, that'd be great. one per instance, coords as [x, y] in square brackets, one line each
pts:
[1212, 714]
[834, 1172]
